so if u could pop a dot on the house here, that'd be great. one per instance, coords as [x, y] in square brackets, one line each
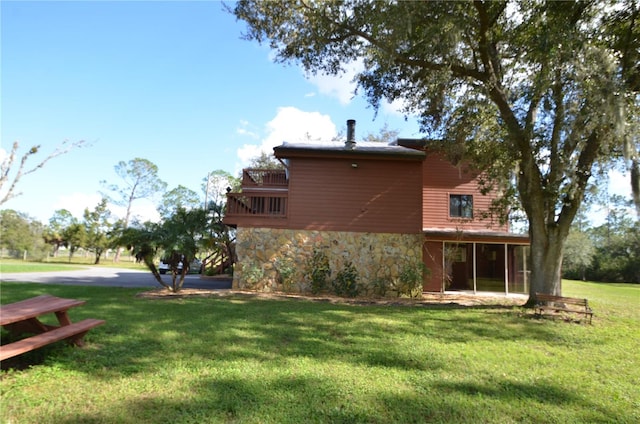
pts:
[377, 207]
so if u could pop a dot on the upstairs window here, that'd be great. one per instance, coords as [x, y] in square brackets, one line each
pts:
[461, 206]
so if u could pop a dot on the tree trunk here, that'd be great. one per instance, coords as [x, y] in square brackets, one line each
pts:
[546, 263]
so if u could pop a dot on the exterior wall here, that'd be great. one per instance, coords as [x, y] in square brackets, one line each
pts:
[266, 254]
[433, 261]
[358, 195]
[441, 178]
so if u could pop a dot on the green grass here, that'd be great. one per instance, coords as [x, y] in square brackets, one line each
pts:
[62, 264]
[243, 359]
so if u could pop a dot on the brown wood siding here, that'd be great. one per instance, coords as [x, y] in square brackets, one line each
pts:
[441, 179]
[381, 196]
[432, 257]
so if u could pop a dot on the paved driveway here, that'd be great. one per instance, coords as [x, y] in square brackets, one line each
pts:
[112, 277]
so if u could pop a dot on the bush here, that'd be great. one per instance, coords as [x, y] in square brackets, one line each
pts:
[380, 286]
[286, 271]
[317, 271]
[346, 282]
[252, 274]
[409, 282]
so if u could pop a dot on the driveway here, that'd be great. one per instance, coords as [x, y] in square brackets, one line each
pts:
[112, 277]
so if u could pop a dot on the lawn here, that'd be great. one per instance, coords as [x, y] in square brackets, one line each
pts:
[245, 359]
[63, 263]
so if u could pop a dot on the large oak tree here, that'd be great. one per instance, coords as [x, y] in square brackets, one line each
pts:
[543, 91]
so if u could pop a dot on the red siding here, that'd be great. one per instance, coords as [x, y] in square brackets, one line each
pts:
[374, 196]
[441, 179]
[432, 257]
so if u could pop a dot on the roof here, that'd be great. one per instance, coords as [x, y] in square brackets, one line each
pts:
[373, 150]
[474, 235]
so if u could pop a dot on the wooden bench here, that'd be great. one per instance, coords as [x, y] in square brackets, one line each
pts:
[22, 318]
[547, 302]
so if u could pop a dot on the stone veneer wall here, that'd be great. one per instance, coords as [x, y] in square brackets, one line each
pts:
[266, 255]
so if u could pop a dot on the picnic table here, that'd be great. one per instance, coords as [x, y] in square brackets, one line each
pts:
[22, 317]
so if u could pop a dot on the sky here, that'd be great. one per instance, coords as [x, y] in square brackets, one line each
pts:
[170, 82]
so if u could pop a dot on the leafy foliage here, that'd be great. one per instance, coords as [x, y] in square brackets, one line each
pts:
[286, 272]
[20, 233]
[409, 281]
[98, 229]
[346, 281]
[317, 270]
[179, 197]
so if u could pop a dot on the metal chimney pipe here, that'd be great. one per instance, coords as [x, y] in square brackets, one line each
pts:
[351, 133]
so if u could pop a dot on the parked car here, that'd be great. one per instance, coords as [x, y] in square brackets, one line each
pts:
[194, 268]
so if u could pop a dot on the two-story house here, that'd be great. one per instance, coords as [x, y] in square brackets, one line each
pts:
[378, 207]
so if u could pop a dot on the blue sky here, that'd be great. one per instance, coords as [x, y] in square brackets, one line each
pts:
[171, 82]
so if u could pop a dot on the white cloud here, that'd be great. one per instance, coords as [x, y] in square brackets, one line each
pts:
[76, 203]
[619, 183]
[394, 108]
[244, 129]
[293, 125]
[142, 210]
[341, 86]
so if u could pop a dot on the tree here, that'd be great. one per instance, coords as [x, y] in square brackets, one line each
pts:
[75, 236]
[384, 136]
[54, 232]
[533, 89]
[8, 163]
[625, 40]
[178, 238]
[617, 244]
[265, 161]
[179, 197]
[578, 254]
[141, 181]
[97, 229]
[20, 233]
[217, 182]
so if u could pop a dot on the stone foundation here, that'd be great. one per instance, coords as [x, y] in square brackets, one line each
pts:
[276, 259]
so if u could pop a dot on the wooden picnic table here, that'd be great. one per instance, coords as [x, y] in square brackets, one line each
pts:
[23, 318]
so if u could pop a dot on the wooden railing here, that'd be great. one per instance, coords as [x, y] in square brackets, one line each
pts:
[264, 178]
[264, 204]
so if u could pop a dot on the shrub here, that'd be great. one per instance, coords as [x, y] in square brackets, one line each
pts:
[318, 270]
[346, 281]
[286, 271]
[252, 274]
[380, 286]
[409, 281]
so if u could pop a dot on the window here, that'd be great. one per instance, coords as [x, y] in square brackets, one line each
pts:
[461, 205]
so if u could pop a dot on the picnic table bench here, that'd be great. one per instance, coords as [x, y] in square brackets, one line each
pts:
[22, 318]
[547, 302]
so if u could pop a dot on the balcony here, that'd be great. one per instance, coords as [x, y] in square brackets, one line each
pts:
[271, 205]
[264, 179]
[264, 199]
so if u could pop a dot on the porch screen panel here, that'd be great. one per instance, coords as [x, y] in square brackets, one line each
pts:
[518, 269]
[490, 267]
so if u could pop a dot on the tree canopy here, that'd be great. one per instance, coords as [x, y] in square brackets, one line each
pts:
[543, 93]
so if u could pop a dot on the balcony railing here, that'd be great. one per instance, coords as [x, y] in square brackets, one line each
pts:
[264, 178]
[264, 204]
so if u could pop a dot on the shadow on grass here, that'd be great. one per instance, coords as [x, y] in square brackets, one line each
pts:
[320, 400]
[219, 335]
[141, 332]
